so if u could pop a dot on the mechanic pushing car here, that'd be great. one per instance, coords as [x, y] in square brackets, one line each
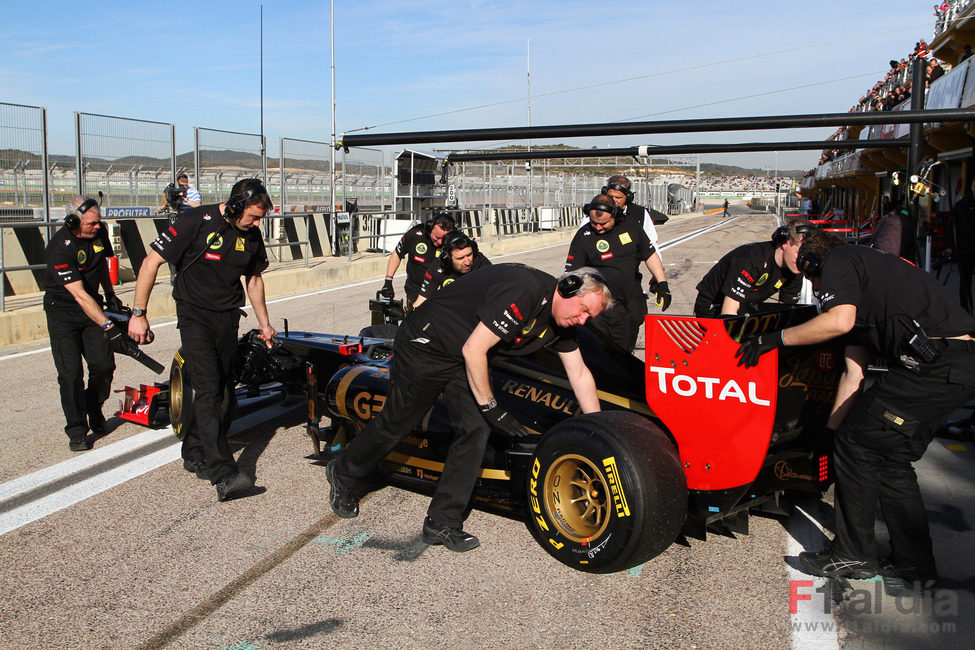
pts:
[893, 310]
[419, 246]
[616, 247]
[212, 246]
[751, 274]
[458, 256]
[444, 346]
[76, 267]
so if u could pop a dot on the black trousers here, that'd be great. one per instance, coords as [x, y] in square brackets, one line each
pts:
[420, 372]
[888, 428]
[966, 260]
[74, 337]
[621, 324]
[209, 340]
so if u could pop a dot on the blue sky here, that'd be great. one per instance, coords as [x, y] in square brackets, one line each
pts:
[197, 64]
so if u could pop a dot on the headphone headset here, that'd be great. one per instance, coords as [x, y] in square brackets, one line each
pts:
[781, 234]
[72, 220]
[570, 285]
[619, 188]
[809, 264]
[235, 205]
[613, 209]
[454, 240]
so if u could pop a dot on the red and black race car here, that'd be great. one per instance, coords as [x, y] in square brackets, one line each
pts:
[687, 441]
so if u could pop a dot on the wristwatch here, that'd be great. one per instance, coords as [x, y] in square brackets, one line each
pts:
[138, 312]
[491, 403]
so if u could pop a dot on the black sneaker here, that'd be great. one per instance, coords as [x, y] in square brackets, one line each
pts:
[343, 500]
[233, 486]
[80, 444]
[198, 467]
[454, 539]
[826, 564]
[899, 580]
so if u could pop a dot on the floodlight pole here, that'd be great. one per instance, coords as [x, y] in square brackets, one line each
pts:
[331, 185]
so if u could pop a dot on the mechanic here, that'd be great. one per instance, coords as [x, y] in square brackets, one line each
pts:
[618, 188]
[76, 266]
[751, 274]
[616, 246]
[191, 196]
[445, 345]
[211, 247]
[458, 256]
[419, 245]
[892, 309]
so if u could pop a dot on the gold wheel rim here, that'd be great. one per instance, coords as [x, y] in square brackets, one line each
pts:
[176, 394]
[576, 497]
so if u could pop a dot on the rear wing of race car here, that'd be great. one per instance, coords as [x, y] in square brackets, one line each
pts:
[725, 417]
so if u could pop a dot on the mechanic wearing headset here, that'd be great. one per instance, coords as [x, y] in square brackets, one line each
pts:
[616, 247]
[618, 188]
[212, 246]
[892, 309]
[76, 266]
[751, 274]
[458, 256]
[419, 245]
[444, 346]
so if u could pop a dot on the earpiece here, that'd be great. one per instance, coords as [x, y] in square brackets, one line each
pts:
[781, 234]
[454, 240]
[613, 209]
[809, 264]
[235, 205]
[72, 220]
[619, 188]
[570, 285]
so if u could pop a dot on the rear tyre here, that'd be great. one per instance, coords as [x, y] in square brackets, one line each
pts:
[606, 492]
[180, 395]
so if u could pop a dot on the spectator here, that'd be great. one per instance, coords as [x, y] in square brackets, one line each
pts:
[191, 197]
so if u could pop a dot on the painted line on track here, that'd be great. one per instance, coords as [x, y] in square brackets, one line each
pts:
[811, 628]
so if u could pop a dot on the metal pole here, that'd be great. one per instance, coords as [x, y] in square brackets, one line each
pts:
[45, 182]
[196, 161]
[77, 152]
[331, 185]
[916, 134]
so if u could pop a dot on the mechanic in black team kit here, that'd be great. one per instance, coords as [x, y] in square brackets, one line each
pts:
[616, 247]
[419, 246]
[76, 267]
[894, 310]
[458, 256]
[212, 246]
[444, 345]
[751, 274]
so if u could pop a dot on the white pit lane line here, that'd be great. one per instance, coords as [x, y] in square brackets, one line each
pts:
[811, 627]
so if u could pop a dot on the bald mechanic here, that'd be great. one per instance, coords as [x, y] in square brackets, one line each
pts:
[890, 309]
[616, 247]
[444, 346]
[419, 246]
[751, 274]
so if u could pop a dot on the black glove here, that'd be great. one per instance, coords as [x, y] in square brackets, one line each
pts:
[662, 292]
[755, 346]
[117, 338]
[387, 290]
[504, 421]
[113, 304]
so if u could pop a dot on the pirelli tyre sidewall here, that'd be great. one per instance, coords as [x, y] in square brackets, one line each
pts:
[606, 492]
[180, 395]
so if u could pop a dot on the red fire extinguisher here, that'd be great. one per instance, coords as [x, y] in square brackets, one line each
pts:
[113, 269]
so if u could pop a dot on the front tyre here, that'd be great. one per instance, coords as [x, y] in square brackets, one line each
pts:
[606, 492]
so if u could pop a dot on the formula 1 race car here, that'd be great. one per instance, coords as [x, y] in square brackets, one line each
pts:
[686, 442]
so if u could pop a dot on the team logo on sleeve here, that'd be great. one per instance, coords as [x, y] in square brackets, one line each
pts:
[98, 248]
[625, 238]
[602, 245]
[215, 240]
[239, 246]
[778, 285]
[421, 248]
[82, 257]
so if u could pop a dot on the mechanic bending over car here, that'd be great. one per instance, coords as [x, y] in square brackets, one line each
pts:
[616, 247]
[458, 256]
[751, 274]
[211, 246]
[445, 346]
[419, 245]
[898, 312]
[76, 265]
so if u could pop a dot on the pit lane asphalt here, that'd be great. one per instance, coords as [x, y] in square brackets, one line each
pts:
[156, 561]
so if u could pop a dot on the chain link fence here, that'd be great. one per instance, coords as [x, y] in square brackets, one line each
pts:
[225, 157]
[23, 158]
